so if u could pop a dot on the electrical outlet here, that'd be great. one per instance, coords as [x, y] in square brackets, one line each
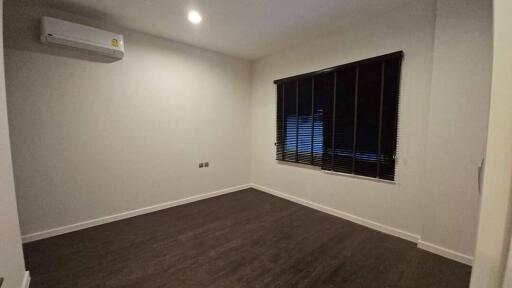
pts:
[201, 165]
[206, 164]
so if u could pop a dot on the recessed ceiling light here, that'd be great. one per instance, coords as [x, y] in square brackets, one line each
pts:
[194, 17]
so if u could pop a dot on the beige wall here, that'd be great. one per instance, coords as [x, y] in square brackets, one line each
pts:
[440, 208]
[12, 266]
[92, 139]
[507, 279]
[494, 229]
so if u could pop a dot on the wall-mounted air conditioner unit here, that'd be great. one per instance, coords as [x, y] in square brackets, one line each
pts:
[66, 33]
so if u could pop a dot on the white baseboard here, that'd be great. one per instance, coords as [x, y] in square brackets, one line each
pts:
[103, 220]
[26, 280]
[352, 218]
[450, 254]
[359, 220]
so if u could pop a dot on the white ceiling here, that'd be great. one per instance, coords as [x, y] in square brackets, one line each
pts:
[248, 29]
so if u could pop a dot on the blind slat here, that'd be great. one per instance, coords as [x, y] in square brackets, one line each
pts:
[343, 119]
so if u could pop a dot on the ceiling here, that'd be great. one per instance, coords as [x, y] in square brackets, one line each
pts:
[247, 29]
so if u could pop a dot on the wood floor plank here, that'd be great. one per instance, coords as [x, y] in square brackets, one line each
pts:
[243, 239]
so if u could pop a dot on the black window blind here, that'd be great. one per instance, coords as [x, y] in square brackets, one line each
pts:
[342, 119]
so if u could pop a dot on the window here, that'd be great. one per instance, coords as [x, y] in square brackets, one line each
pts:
[342, 119]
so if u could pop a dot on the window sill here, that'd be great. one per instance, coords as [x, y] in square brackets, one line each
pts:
[360, 177]
[316, 168]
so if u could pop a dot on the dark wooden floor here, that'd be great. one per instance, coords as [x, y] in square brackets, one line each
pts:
[243, 239]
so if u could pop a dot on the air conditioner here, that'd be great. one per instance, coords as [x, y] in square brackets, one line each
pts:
[56, 31]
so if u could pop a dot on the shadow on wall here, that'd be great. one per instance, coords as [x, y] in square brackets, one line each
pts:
[22, 29]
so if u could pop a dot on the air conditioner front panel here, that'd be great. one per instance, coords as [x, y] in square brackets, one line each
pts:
[66, 33]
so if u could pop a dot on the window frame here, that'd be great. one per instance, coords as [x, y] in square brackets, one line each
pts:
[397, 56]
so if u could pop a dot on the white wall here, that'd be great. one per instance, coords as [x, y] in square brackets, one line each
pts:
[445, 215]
[459, 112]
[496, 210]
[410, 29]
[92, 139]
[12, 266]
